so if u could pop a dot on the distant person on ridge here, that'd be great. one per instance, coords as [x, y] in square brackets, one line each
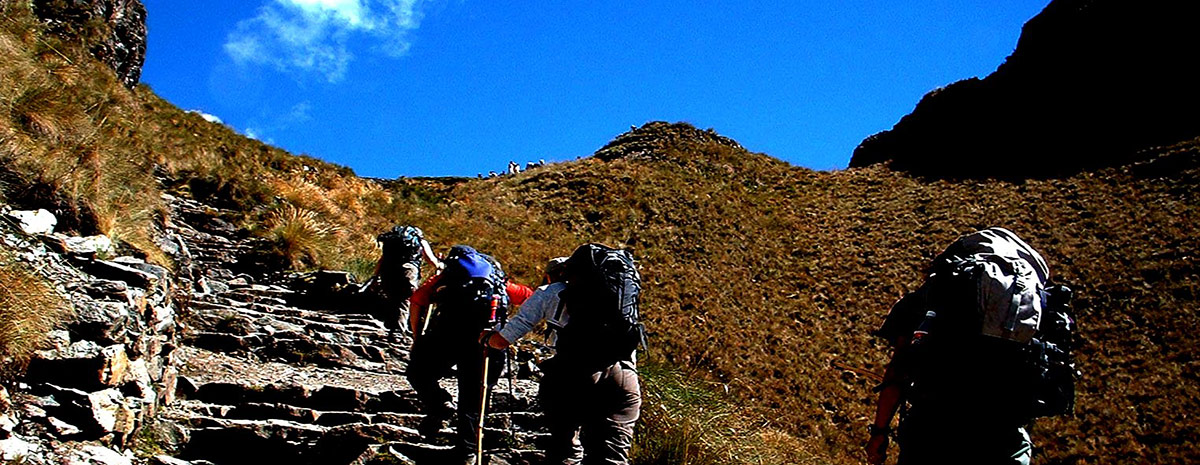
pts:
[589, 390]
[980, 350]
[471, 295]
[398, 272]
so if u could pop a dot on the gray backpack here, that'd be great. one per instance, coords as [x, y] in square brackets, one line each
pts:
[988, 320]
[1009, 280]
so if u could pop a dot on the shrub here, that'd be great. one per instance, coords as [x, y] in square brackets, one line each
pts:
[29, 310]
[299, 236]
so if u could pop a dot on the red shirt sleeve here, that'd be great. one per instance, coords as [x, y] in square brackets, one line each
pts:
[423, 296]
[517, 293]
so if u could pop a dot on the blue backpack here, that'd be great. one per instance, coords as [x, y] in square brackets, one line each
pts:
[471, 292]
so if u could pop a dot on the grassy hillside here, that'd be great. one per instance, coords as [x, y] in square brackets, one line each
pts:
[767, 279]
[762, 279]
[75, 141]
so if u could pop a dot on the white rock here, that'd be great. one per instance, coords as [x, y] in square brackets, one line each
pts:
[168, 460]
[138, 377]
[35, 222]
[92, 454]
[109, 410]
[14, 449]
[8, 423]
[98, 244]
[62, 428]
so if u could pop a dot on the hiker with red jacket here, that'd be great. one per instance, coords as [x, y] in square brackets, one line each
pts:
[470, 295]
[398, 272]
[589, 389]
[980, 350]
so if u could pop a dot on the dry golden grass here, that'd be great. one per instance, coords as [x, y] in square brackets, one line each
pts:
[301, 237]
[65, 145]
[29, 310]
[769, 278]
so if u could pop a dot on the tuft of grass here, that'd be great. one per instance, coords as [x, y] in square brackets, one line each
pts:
[688, 421]
[29, 309]
[300, 237]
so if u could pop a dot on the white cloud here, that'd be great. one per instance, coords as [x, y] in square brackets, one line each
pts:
[314, 36]
[207, 117]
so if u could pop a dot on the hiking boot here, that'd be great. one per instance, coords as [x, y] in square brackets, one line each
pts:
[469, 458]
[431, 425]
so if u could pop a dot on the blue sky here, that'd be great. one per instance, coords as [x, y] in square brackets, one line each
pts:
[459, 87]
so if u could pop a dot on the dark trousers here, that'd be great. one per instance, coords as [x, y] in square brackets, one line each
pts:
[432, 357]
[961, 436]
[590, 414]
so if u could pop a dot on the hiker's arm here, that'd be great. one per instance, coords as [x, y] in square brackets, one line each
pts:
[427, 252]
[517, 293]
[534, 309]
[420, 301]
[890, 396]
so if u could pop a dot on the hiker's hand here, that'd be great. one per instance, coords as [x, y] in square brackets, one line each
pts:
[493, 339]
[877, 449]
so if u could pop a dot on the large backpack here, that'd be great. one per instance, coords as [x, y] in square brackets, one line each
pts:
[401, 244]
[602, 297]
[470, 293]
[988, 320]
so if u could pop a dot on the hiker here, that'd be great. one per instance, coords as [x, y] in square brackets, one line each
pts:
[589, 389]
[470, 295]
[979, 350]
[398, 272]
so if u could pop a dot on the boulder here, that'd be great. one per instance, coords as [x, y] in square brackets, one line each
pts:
[138, 383]
[109, 412]
[91, 245]
[106, 289]
[105, 322]
[92, 454]
[83, 365]
[63, 429]
[15, 449]
[114, 365]
[168, 460]
[34, 221]
[121, 272]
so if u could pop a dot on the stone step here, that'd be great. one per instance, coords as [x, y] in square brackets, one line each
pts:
[326, 399]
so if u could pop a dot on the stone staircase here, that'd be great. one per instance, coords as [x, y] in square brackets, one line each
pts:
[292, 368]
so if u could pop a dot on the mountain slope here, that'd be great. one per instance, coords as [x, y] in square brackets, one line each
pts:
[1090, 83]
[769, 278]
[763, 278]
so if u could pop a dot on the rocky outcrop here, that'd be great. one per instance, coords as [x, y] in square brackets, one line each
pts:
[114, 29]
[653, 139]
[292, 368]
[1090, 83]
[257, 365]
[108, 369]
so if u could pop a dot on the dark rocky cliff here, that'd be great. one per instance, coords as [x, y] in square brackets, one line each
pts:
[115, 30]
[1090, 83]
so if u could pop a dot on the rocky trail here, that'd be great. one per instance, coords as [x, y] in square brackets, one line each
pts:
[300, 371]
[265, 368]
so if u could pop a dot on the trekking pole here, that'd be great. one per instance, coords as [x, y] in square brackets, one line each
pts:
[483, 395]
[483, 390]
[858, 371]
[509, 354]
